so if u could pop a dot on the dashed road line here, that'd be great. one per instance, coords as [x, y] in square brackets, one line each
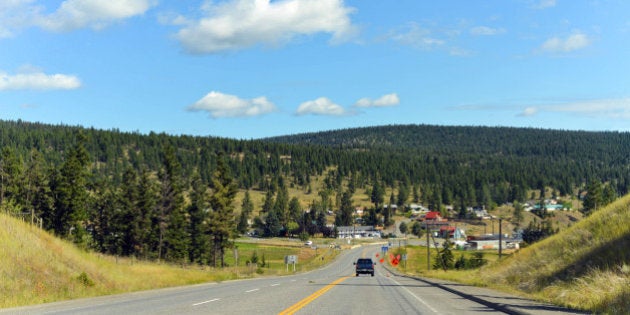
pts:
[205, 302]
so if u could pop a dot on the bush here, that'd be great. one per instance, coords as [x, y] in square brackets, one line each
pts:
[473, 262]
[85, 280]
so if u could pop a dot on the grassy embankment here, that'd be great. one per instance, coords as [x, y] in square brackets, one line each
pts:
[586, 266]
[36, 267]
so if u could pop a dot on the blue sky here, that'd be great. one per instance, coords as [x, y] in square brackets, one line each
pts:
[248, 69]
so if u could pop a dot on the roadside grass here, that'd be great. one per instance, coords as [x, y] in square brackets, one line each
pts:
[274, 252]
[36, 267]
[585, 267]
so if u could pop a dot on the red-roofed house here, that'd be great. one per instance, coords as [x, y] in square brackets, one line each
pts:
[434, 216]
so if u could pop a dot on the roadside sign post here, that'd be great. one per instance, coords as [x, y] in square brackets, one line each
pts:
[404, 258]
[290, 259]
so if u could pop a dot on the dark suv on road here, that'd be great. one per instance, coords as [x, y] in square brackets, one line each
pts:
[364, 265]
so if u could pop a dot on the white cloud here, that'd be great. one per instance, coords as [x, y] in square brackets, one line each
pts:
[385, 100]
[544, 4]
[239, 24]
[76, 14]
[573, 42]
[38, 81]
[224, 105]
[415, 36]
[529, 111]
[14, 14]
[320, 106]
[486, 31]
[603, 108]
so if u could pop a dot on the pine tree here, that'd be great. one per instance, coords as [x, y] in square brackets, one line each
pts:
[272, 224]
[295, 209]
[37, 194]
[444, 258]
[377, 194]
[594, 199]
[130, 218]
[247, 207]
[173, 232]
[344, 215]
[198, 216]
[71, 195]
[10, 176]
[149, 223]
[222, 222]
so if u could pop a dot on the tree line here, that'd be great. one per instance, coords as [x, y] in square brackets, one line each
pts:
[160, 196]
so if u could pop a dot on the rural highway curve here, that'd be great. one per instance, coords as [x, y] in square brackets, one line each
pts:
[331, 290]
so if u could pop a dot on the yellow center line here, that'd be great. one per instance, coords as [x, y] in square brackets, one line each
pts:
[299, 305]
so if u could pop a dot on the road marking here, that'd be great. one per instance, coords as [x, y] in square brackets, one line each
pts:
[252, 290]
[299, 305]
[417, 297]
[275, 284]
[204, 302]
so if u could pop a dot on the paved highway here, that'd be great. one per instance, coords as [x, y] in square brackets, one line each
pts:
[331, 290]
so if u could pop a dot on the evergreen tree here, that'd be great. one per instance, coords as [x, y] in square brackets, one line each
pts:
[403, 228]
[198, 216]
[222, 220]
[594, 199]
[371, 217]
[71, 195]
[131, 217]
[247, 207]
[268, 202]
[272, 225]
[403, 195]
[321, 223]
[416, 194]
[10, 176]
[37, 194]
[173, 232]
[103, 225]
[609, 194]
[344, 215]
[150, 220]
[377, 194]
[295, 209]
[416, 229]
[281, 204]
[444, 258]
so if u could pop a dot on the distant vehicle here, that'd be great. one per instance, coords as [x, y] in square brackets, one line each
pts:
[364, 266]
[308, 243]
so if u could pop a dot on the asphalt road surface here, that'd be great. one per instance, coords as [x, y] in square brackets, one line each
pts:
[333, 289]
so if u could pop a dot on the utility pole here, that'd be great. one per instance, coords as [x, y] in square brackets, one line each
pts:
[428, 247]
[500, 238]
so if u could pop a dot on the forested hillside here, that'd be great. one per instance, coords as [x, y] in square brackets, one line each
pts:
[160, 196]
[560, 159]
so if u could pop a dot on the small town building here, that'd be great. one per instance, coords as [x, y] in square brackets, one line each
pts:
[491, 241]
[358, 232]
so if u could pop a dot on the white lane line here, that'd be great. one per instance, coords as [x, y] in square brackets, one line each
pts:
[252, 290]
[275, 284]
[204, 302]
[417, 297]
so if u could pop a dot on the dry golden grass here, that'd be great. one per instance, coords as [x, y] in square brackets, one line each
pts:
[585, 267]
[36, 267]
